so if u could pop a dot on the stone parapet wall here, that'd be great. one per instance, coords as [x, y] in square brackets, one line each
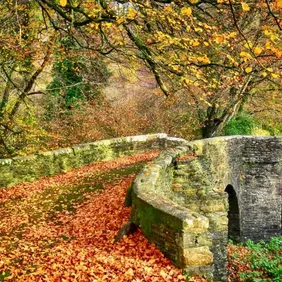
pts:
[181, 234]
[261, 188]
[188, 184]
[29, 168]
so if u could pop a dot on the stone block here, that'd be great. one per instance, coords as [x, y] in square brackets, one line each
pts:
[196, 223]
[189, 239]
[64, 160]
[45, 164]
[24, 169]
[218, 221]
[199, 256]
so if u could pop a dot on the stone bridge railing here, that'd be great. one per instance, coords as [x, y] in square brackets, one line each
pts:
[32, 167]
[181, 204]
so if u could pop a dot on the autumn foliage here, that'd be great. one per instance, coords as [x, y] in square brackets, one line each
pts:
[41, 242]
[222, 53]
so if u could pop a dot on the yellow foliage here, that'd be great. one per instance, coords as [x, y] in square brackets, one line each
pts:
[131, 14]
[257, 50]
[279, 3]
[186, 11]
[260, 132]
[274, 75]
[248, 69]
[219, 39]
[232, 34]
[63, 3]
[195, 42]
[245, 7]
[168, 9]
[204, 60]
[245, 55]
[267, 32]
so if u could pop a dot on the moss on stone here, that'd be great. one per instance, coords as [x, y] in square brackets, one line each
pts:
[128, 197]
[6, 175]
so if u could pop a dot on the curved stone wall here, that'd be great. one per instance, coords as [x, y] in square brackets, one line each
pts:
[29, 168]
[179, 199]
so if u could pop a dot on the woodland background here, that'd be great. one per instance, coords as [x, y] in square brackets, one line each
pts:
[77, 71]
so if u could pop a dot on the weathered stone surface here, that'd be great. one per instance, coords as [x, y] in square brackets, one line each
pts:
[20, 165]
[33, 167]
[127, 229]
[188, 184]
[200, 256]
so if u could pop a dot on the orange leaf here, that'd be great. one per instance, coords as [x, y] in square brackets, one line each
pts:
[129, 273]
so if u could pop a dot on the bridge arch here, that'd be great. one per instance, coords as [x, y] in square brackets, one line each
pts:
[233, 214]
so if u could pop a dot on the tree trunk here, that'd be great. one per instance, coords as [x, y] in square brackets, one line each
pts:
[210, 128]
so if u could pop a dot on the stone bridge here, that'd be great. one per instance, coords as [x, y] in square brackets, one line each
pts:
[190, 199]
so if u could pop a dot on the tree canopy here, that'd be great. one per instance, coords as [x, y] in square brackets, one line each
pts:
[218, 54]
[218, 51]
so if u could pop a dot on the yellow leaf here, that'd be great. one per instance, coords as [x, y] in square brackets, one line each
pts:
[194, 1]
[267, 32]
[163, 274]
[131, 14]
[279, 3]
[248, 69]
[63, 3]
[270, 69]
[168, 9]
[232, 34]
[204, 60]
[264, 74]
[186, 11]
[248, 44]
[195, 42]
[257, 50]
[219, 39]
[268, 45]
[245, 7]
[244, 54]
[274, 75]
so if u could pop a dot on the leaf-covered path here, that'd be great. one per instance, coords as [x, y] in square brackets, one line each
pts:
[62, 229]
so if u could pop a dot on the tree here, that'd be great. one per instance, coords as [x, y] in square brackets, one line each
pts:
[24, 54]
[29, 47]
[77, 79]
[218, 51]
